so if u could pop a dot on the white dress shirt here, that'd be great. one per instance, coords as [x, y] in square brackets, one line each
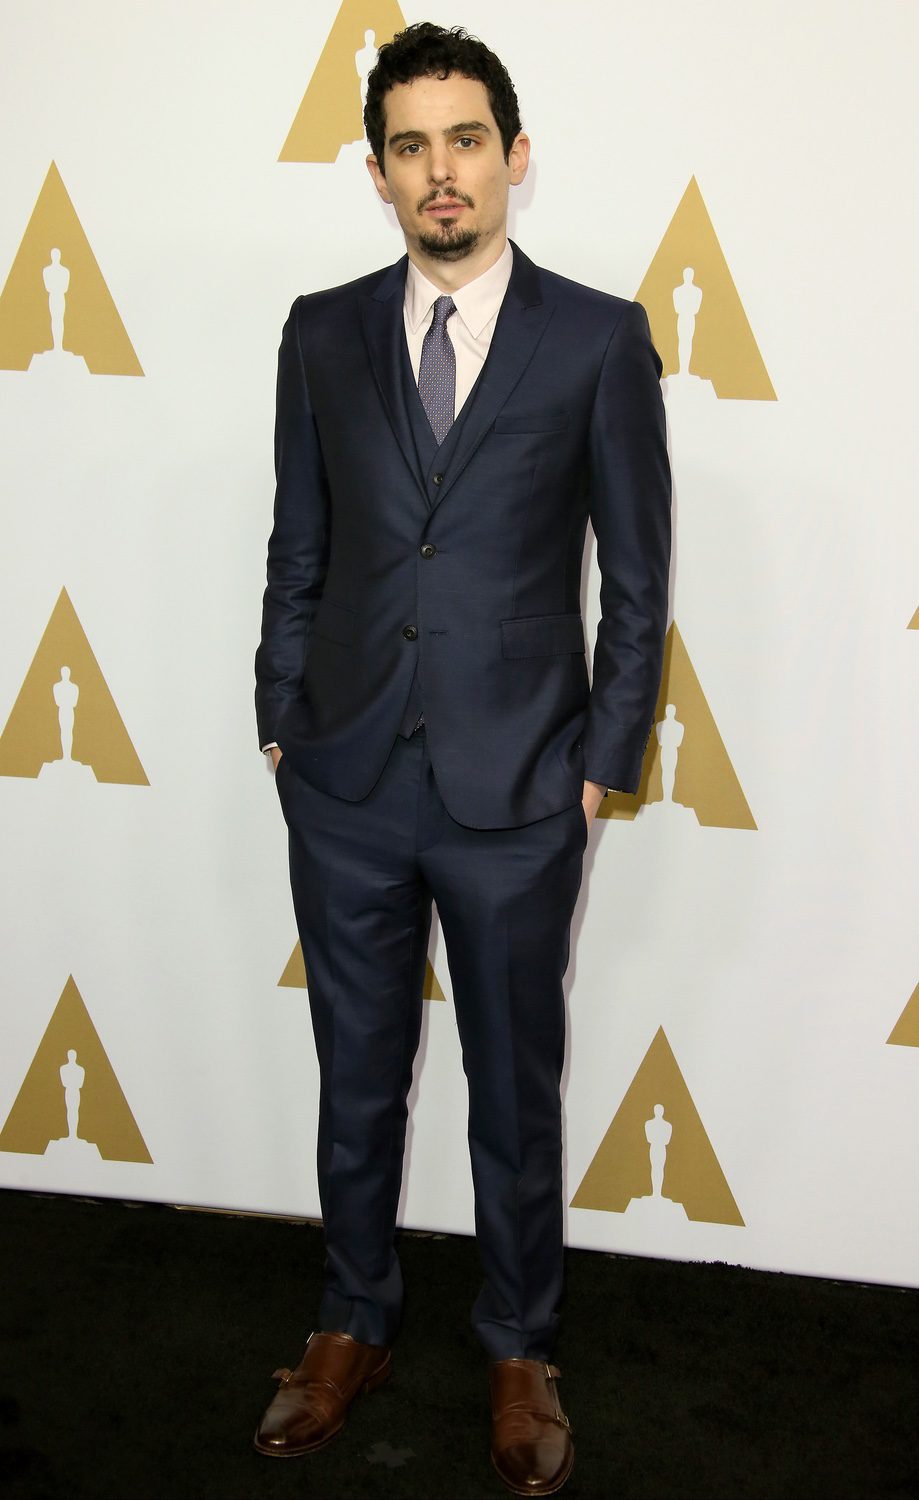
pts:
[470, 328]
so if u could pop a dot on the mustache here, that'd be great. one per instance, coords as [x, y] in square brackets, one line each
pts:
[439, 195]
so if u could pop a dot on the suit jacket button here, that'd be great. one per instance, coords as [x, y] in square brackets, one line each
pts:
[438, 479]
[410, 632]
[427, 549]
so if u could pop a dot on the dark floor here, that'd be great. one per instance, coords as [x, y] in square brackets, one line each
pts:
[138, 1343]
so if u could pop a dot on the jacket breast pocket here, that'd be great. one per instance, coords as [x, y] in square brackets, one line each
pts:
[531, 421]
[335, 622]
[542, 635]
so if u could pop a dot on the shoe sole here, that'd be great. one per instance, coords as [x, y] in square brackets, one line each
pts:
[376, 1380]
[528, 1489]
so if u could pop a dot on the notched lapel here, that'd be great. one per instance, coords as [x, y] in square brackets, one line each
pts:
[521, 324]
[384, 330]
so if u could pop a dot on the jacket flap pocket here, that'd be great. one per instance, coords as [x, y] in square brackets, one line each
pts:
[542, 635]
[335, 622]
[533, 421]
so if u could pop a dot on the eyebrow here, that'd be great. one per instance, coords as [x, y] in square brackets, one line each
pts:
[463, 128]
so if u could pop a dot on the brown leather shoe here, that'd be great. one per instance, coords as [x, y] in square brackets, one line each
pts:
[310, 1407]
[531, 1445]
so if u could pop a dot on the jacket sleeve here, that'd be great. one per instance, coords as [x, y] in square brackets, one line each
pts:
[629, 500]
[299, 542]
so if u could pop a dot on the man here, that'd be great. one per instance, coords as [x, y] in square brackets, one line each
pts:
[445, 428]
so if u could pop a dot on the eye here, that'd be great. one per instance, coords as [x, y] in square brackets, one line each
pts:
[410, 149]
[467, 140]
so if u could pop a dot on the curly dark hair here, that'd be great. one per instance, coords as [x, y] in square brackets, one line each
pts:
[428, 51]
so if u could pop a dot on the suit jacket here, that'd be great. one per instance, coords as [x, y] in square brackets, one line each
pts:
[459, 568]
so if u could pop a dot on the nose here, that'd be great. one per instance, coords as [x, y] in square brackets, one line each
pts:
[441, 165]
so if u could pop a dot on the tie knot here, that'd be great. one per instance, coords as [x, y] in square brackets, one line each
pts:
[444, 308]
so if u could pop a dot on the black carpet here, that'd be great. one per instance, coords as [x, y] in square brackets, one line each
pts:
[138, 1343]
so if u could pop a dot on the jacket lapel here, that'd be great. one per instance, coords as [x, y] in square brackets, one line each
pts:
[520, 326]
[384, 332]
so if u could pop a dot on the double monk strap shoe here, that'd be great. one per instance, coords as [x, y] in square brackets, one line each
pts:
[531, 1445]
[311, 1403]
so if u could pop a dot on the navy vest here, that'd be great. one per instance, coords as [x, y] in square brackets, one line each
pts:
[432, 460]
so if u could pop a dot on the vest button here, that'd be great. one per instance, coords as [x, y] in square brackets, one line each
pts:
[438, 479]
[427, 549]
[410, 632]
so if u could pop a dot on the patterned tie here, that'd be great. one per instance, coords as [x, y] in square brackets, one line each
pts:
[437, 371]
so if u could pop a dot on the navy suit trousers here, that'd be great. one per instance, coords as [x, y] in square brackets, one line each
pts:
[363, 877]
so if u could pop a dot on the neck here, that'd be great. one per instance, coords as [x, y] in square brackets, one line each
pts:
[451, 275]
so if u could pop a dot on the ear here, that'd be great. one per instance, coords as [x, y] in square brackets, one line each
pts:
[518, 159]
[379, 181]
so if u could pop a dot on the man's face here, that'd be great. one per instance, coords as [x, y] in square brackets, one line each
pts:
[445, 172]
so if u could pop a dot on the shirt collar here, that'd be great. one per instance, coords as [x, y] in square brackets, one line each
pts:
[477, 302]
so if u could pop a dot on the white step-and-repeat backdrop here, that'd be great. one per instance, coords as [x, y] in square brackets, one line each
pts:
[743, 1074]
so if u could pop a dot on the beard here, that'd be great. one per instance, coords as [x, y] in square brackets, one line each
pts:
[447, 242]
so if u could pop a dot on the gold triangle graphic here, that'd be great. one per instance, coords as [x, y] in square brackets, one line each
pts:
[294, 976]
[906, 1031]
[724, 350]
[432, 989]
[621, 1171]
[64, 689]
[914, 622]
[705, 780]
[72, 1106]
[330, 115]
[55, 268]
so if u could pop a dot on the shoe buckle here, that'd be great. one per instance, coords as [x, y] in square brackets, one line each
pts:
[552, 1374]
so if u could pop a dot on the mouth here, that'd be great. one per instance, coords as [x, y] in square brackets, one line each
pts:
[444, 208]
[446, 204]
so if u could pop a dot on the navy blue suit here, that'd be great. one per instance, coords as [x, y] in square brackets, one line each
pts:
[404, 575]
